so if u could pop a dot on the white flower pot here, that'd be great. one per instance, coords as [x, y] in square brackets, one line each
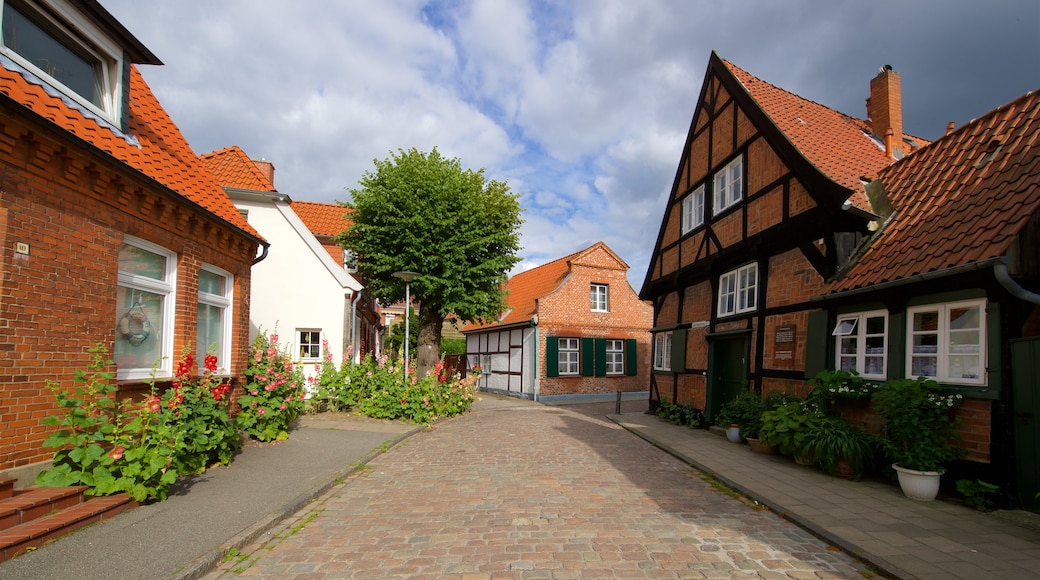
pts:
[919, 485]
[733, 434]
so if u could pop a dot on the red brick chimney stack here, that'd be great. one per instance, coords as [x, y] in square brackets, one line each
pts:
[885, 110]
[265, 167]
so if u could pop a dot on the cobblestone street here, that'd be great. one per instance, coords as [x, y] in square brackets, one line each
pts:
[520, 490]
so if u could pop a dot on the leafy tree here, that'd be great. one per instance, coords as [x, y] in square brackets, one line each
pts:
[395, 340]
[424, 213]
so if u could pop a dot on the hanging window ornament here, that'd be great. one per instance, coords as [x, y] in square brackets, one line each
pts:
[134, 325]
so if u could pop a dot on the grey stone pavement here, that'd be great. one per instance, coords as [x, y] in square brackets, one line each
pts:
[517, 489]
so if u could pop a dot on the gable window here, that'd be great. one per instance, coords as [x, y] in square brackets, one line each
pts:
[861, 343]
[349, 261]
[214, 316]
[738, 290]
[310, 344]
[729, 185]
[692, 210]
[600, 294]
[615, 357]
[568, 356]
[84, 65]
[663, 351]
[145, 304]
[947, 342]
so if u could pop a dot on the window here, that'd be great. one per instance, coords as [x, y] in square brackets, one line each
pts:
[946, 342]
[663, 351]
[615, 357]
[862, 343]
[600, 298]
[145, 304]
[738, 290]
[349, 261]
[692, 210]
[568, 356]
[310, 344]
[84, 65]
[729, 185]
[214, 317]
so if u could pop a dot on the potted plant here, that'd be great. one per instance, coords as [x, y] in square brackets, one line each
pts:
[840, 386]
[788, 425]
[919, 432]
[839, 448]
[741, 415]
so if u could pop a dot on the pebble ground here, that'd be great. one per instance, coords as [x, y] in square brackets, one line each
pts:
[521, 490]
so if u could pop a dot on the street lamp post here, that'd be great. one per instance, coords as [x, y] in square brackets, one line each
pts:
[407, 277]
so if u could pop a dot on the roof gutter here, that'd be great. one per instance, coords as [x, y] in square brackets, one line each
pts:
[992, 262]
[1000, 270]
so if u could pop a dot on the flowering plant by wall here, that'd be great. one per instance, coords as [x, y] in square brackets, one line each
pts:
[196, 406]
[919, 429]
[274, 396]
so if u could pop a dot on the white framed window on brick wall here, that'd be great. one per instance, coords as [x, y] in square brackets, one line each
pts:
[738, 290]
[615, 356]
[862, 343]
[568, 353]
[145, 306]
[663, 351]
[692, 215]
[729, 185]
[600, 297]
[214, 316]
[308, 342]
[947, 342]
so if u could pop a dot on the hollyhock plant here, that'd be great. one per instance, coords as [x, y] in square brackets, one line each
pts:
[197, 406]
[275, 390]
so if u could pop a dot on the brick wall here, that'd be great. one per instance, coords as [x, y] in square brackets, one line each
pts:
[72, 209]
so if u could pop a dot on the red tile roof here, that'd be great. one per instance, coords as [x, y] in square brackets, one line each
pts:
[161, 152]
[233, 168]
[951, 209]
[838, 145]
[525, 288]
[322, 219]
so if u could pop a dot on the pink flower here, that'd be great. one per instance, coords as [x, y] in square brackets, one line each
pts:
[282, 407]
[270, 387]
[261, 412]
[117, 452]
[253, 392]
[274, 339]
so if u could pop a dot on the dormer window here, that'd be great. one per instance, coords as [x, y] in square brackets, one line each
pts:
[85, 65]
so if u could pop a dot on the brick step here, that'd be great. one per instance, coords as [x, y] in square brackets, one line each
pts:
[35, 502]
[7, 487]
[17, 540]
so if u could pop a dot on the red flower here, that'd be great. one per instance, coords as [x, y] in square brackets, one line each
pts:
[211, 363]
[117, 452]
[153, 404]
[403, 402]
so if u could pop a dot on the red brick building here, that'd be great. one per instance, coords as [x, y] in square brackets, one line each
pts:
[110, 231]
[573, 327]
[797, 238]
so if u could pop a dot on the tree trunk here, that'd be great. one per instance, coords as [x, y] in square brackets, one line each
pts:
[428, 351]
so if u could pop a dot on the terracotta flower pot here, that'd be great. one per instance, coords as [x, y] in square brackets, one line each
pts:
[758, 446]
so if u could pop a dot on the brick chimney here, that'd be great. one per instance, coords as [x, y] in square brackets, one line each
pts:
[266, 168]
[885, 111]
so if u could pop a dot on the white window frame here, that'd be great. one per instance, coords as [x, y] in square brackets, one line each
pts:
[738, 290]
[74, 28]
[350, 261]
[225, 302]
[615, 356]
[663, 351]
[946, 343]
[729, 185]
[300, 344]
[167, 288]
[851, 342]
[692, 215]
[600, 297]
[569, 356]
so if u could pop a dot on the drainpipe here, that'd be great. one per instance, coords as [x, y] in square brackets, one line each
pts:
[1000, 270]
[354, 355]
[534, 326]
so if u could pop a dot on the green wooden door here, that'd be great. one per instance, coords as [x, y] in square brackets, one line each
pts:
[727, 372]
[1025, 373]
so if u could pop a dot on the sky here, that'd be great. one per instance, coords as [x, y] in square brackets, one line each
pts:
[581, 106]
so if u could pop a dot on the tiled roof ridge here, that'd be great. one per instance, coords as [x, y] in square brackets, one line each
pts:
[236, 156]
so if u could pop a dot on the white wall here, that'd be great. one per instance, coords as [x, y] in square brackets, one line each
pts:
[507, 357]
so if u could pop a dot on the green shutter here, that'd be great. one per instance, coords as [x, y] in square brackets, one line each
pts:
[588, 367]
[601, 357]
[552, 356]
[896, 345]
[631, 357]
[994, 341]
[678, 350]
[816, 343]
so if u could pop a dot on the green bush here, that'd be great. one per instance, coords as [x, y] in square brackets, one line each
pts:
[746, 411]
[274, 392]
[680, 414]
[919, 431]
[788, 425]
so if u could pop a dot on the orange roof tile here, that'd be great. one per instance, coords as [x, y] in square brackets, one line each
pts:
[838, 145]
[322, 219]
[951, 208]
[160, 152]
[525, 288]
[233, 168]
